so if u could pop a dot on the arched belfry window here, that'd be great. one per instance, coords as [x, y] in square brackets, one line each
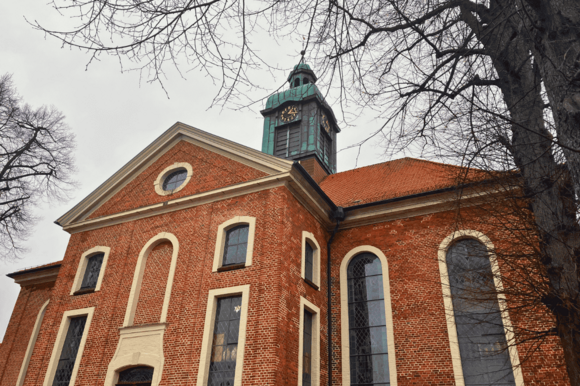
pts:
[296, 82]
[480, 331]
[369, 358]
[136, 376]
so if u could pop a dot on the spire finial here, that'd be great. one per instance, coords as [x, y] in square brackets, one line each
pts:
[303, 52]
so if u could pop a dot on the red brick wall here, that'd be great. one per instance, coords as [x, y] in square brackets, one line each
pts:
[421, 338]
[153, 286]
[19, 330]
[274, 278]
[271, 351]
[210, 171]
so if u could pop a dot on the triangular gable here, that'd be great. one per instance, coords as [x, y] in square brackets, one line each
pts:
[179, 138]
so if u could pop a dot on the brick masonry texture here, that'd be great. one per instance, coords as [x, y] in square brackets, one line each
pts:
[210, 171]
[271, 352]
[153, 285]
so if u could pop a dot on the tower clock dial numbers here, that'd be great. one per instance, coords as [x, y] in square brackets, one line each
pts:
[325, 123]
[289, 113]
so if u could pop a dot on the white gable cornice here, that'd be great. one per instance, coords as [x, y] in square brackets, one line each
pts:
[178, 132]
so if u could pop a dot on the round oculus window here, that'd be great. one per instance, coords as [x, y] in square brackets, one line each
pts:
[175, 179]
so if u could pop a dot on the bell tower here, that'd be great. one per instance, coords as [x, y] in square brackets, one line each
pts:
[299, 124]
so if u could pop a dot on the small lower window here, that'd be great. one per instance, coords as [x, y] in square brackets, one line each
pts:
[236, 245]
[70, 348]
[222, 368]
[136, 376]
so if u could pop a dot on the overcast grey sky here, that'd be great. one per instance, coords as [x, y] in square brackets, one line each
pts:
[114, 117]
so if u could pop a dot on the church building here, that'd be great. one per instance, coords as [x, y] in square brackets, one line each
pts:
[203, 262]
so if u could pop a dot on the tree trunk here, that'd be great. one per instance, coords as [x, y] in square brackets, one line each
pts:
[544, 182]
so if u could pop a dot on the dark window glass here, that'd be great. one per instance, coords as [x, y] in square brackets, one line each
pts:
[296, 82]
[369, 359]
[480, 331]
[287, 142]
[309, 262]
[224, 348]
[136, 376]
[70, 348]
[307, 350]
[92, 271]
[175, 179]
[306, 81]
[236, 245]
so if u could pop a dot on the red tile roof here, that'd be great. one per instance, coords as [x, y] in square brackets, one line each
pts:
[390, 179]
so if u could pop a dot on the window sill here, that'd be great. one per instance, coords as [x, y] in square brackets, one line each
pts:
[311, 284]
[231, 267]
[84, 291]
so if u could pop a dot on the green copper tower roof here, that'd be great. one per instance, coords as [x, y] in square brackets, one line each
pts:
[301, 67]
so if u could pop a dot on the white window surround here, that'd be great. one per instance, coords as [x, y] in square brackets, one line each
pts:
[206, 346]
[315, 367]
[221, 240]
[138, 277]
[59, 342]
[450, 316]
[345, 342]
[138, 346]
[166, 172]
[83, 266]
[31, 343]
[307, 236]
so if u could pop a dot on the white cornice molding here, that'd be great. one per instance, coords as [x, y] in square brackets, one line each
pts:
[181, 203]
[307, 196]
[178, 132]
[47, 275]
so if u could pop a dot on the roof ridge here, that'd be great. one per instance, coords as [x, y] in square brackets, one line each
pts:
[394, 160]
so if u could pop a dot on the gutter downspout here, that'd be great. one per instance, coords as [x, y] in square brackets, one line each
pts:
[337, 215]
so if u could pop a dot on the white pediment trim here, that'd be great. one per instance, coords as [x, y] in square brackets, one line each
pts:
[178, 132]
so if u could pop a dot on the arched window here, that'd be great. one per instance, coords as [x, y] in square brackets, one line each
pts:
[136, 376]
[480, 331]
[369, 359]
[236, 245]
[296, 82]
[305, 81]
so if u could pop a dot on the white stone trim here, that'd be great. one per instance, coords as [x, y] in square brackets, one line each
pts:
[83, 266]
[221, 240]
[315, 258]
[158, 184]
[138, 277]
[59, 342]
[138, 346]
[305, 304]
[205, 357]
[448, 303]
[345, 342]
[31, 343]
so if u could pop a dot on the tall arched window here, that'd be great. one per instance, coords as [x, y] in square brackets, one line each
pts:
[369, 359]
[480, 331]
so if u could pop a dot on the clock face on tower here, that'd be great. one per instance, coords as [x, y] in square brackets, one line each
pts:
[325, 123]
[289, 113]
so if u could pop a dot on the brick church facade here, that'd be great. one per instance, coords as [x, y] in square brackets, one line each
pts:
[204, 262]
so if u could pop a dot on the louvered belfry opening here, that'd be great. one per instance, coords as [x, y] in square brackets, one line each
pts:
[287, 141]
